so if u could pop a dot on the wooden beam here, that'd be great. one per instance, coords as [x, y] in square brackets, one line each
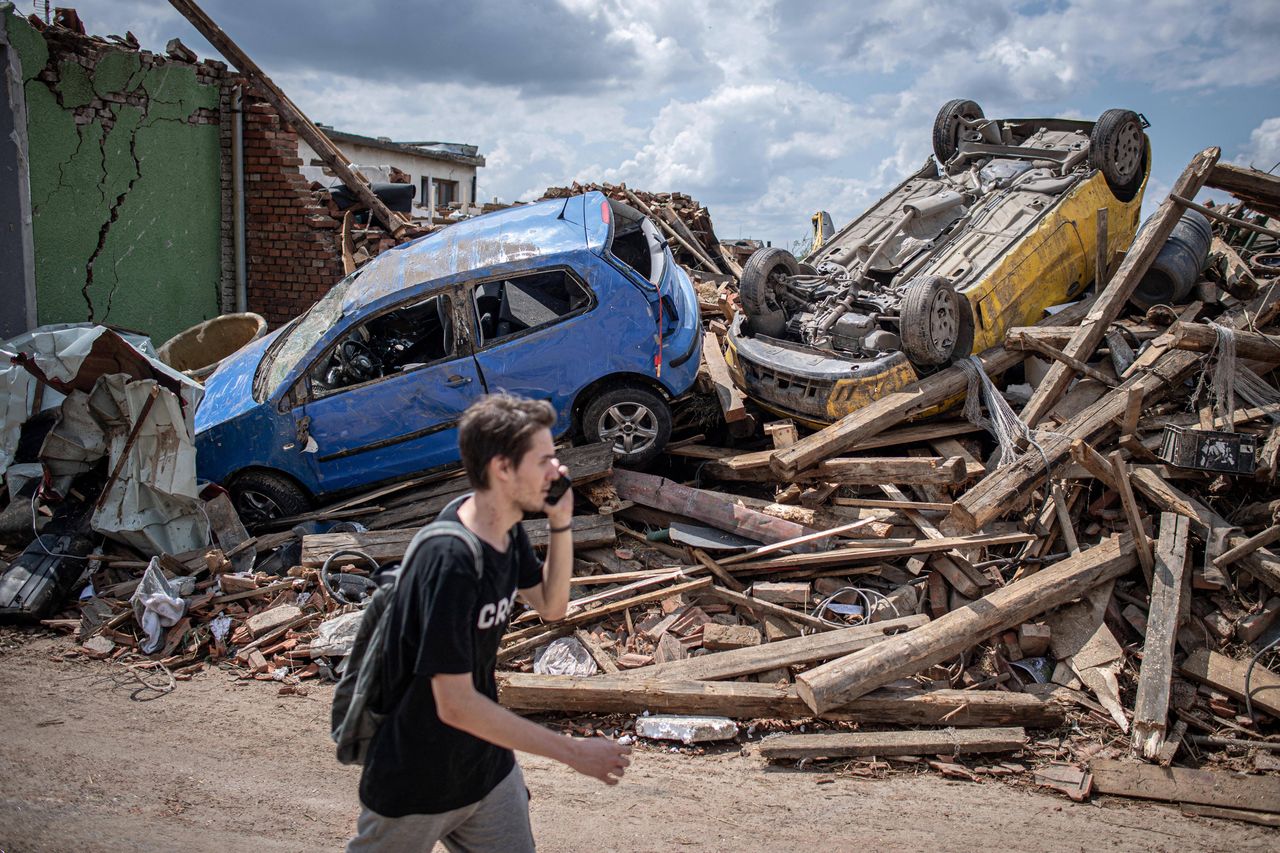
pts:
[312, 135]
[1199, 337]
[1027, 342]
[527, 692]
[1222, 217]
[1112, 299]
[767, 608]
[1145, 558]
[845, 679]
[873, 551]
[732, 402]
[861, 744]
[1228, 675]
[892, 409]
[714, 508]
[780, 653]
[1258, 189]
[1151, 708]
[874, 470]
[1180, 785]
[1248, 546]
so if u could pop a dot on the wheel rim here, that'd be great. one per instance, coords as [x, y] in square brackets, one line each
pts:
[630, 427]
[1128, 151]
[944, 321]
[255, 507]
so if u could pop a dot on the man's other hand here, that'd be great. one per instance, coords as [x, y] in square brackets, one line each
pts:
[600, 758]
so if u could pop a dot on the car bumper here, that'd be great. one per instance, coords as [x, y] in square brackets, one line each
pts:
[811, 386]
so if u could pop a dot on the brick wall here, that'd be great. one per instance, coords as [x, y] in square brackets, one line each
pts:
[291, 240]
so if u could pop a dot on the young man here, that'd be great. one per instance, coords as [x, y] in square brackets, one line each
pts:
[441, 767]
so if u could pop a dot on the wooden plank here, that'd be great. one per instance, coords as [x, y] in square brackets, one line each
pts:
[732, 402]
[860, 744]
[1248, 546]
[589, 531]
[1113, 298]
[799, 540]
[874, 470]
[780, 653]
[892, 409]
[321, 144]
[603, 659]
[1199, 337]
[1145, 558]
[714, 508]
[1151, 708]
[1181, 785]
[1226, 674]
[876, 503]
[1258, 189]
[1030, 342]
[721, 574]
[528, 692]
[847, 678]
[953, 565]
[1260, 818]
[766, 608]
[871, 550]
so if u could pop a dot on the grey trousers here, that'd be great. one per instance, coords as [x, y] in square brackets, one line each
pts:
[499, 822]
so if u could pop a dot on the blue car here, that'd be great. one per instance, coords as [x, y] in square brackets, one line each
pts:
[576, 301]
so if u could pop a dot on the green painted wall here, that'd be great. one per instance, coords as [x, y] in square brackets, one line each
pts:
[126, 205]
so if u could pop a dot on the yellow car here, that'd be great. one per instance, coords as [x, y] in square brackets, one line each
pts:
[1001, 226]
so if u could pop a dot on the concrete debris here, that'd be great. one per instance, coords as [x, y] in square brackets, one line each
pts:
[687, 730]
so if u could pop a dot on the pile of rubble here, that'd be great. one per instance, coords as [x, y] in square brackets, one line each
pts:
[686, 224]
[1100, 589]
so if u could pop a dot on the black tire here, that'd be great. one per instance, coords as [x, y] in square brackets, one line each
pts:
[947, 124]
[1118, 149]
[636, 420]
[936, 322]
[260, 496]
[757, 289]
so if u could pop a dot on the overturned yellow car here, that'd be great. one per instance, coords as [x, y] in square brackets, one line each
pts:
[1000, 226]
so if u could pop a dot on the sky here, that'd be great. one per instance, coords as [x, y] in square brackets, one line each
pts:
[763, 111]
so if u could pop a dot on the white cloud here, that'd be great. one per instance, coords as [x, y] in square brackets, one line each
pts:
[1263, 149]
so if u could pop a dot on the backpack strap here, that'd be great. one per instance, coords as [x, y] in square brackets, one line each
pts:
[456, 529]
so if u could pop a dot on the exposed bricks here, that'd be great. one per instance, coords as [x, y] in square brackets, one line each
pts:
[291, 246]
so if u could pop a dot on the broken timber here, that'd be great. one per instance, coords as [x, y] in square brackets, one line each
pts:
[749, 700]
[1151, 708]
[845, 679]
[1113, 297]
[860, 744]
[1228, 675]
[775, 655]
[709, 507]
[1179, 785]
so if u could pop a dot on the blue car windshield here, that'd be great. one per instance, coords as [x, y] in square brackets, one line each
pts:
[299, 337]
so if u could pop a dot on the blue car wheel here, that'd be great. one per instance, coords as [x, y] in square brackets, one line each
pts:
[261, 496]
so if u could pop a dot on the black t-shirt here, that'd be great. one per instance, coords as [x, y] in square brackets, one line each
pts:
[445, 620]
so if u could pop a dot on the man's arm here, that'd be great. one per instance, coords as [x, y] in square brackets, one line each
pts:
[459, 705]
[551, 597]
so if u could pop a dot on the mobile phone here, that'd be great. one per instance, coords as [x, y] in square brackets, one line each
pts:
[558, 488]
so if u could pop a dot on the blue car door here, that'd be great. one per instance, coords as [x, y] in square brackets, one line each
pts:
[385, 398]
[533, 336]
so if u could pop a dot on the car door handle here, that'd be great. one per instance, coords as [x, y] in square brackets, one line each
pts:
[457, 381]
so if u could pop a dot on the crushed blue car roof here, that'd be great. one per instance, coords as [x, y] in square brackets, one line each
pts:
[506, 236]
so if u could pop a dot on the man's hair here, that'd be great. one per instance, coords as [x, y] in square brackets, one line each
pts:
[499, 425]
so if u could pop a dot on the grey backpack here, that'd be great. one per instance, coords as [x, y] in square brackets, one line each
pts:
[353, 719]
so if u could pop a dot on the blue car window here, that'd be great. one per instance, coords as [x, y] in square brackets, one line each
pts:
[396, 341]
[507, 307]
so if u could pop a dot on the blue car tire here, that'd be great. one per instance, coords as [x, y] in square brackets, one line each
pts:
[261, 496]
[635, 420]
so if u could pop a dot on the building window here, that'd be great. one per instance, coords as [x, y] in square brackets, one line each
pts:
[446, 193]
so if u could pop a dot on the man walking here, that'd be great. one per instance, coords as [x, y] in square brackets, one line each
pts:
[441, 766]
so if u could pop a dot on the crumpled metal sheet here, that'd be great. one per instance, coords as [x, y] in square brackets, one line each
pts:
[102, 380]
[153, 504]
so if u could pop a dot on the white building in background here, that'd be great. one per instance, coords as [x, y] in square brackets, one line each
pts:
[443, 172]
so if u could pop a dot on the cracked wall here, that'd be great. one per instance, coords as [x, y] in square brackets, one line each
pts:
[127, 199]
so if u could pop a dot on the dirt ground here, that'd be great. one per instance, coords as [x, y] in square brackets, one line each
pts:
[219, 765]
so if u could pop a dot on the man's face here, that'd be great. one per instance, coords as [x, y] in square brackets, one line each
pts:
[527, 482]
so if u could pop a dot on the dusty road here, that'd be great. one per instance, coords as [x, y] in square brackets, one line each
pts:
[222, 766]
